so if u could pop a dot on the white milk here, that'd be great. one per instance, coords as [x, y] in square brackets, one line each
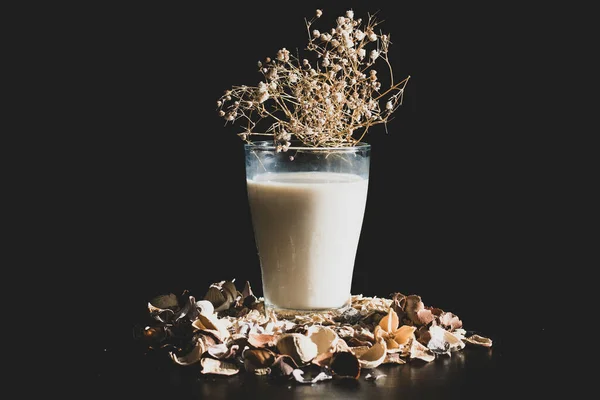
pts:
[307, 227]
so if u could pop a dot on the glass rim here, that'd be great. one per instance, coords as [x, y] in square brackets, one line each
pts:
[298, 145]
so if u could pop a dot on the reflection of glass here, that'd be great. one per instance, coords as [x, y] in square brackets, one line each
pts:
[307, 207]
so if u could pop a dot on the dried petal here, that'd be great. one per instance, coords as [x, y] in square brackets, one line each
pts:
[373, 357]
[297, 346]
[262, 339]
[298, 374]
[479, 341]
[418, 351]
[218, 367]
[324, 337]
[450, 321]
[284, 365]
[404, 334]
[190, 358]
[390, 322]
[393, 358]
[345, 365]
[258, 359]
[373, 376]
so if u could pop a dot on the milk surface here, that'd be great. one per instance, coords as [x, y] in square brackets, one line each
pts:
[307, 227]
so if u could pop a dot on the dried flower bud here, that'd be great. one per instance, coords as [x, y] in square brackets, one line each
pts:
[359, 35]
[316, 33]
[374, 54]
[372, 36]
[350, 14]
[318, 13]
[389, 105]
[362, 53]
[219, 103]
[221, 113]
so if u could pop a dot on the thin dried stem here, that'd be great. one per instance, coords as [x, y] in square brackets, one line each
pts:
[331, 100]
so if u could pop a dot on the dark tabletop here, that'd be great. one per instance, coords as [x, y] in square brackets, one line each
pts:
[510, 368]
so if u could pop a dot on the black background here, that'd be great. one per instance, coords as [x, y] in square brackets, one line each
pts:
[456, 210]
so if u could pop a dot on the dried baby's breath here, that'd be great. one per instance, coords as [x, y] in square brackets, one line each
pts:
[331, 97]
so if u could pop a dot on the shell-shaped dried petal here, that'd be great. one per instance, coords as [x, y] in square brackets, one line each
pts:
[190, 358]
[221, 350]
[211, 322]
[451, 321]
[425, 316]
[413, 304]
[479, 340]
[258, 359]
[390, 322]
[403, 334]
[323, 359]
[418, 351]
[324, 337]
[341, 345]
[205, 307]
[218, 367]
[393, 358]
[297, 346]
[164, 301]
[262, 339]
[354, 342]
[345, 331]
[373, 357]
[284, 365]
[345, 365]
[358, 351]
[443, 341]
[230, 291]
[215, 296]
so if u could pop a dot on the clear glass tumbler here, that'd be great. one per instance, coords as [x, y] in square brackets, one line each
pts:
[307, 206]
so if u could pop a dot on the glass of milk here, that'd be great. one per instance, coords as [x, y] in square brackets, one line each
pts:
[307, 206]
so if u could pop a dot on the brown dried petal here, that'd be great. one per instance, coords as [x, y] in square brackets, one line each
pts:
[190, 358]
[165, 301]
[479, 341]
[297, 346]
[393, 358]
[323, 359]
[284, 365]
[418, 351]
[390, 322]
[258, 359]
[345, 365]
[413, 304]
[373, 357]
[354, 342]
[404, 334]
[450, 321]
[324, 337]
[424, 317]
[215, 296]
[262, 339]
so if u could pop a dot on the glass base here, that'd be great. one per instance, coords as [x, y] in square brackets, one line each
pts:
[288, 313]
